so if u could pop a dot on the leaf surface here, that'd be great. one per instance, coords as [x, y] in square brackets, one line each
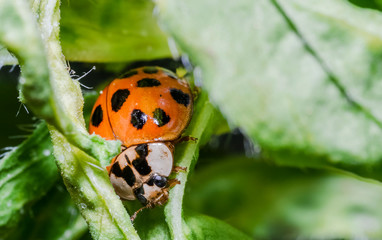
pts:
[26, 174]
[268, 202]
[97, 31]
[301, 78]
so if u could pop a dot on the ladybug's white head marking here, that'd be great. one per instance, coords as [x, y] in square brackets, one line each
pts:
[160, 158]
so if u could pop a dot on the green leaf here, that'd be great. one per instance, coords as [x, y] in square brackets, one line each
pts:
[267, 202]
[53, 217]
[196, 226]
[98, 31]
[301, 78]
[90, 188]
[373, 4]
[26, 174]
[204, 227]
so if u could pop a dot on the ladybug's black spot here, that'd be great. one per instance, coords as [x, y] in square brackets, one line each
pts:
[142, 150]
[116, 170]
[129, 74]
[127, 159]
[140, 163]
[148, 82]
[126, 174]
[97, 116]
[139, 194]
[180, 97]
[150, 70]
[118, 99]
[160, 117]
[138, 118]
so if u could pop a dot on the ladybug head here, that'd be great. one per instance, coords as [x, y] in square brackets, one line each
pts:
[153, 192]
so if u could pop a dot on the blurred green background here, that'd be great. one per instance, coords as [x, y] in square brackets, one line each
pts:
[303, 84]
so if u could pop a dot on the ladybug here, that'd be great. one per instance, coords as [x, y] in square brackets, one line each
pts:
[147, 109]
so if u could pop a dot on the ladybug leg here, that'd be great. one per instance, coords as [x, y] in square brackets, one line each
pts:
[185, 139]
[132, 218]
[195, 93]
[172, 183]
[177, 169]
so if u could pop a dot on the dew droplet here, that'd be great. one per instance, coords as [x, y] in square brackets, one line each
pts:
[46, 152]
[83, 206]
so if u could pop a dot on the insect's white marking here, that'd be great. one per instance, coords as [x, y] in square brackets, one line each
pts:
[160, 158]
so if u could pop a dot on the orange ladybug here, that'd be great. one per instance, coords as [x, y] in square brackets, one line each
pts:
[147, 109]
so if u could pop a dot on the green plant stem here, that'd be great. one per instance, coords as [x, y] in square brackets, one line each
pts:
[202, 126]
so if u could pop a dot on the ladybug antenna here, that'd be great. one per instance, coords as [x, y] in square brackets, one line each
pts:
[78, 78]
